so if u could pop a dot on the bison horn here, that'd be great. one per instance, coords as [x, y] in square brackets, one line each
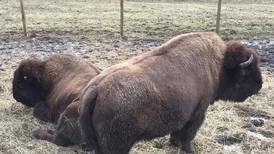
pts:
[248, 62]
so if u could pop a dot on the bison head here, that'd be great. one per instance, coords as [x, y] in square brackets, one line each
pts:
[26, 86]
[241, 75]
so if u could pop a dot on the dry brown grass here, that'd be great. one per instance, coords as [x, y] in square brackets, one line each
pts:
[225, 120]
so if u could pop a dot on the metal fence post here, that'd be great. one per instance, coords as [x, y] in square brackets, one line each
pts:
[122, 18]
[23, 17]
[218, 17]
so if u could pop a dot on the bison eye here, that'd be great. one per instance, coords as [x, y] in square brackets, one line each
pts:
[25, 77]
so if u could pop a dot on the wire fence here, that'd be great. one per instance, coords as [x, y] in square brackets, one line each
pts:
[123, 6]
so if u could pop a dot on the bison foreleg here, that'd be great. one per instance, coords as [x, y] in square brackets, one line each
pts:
[58, 138]
[43, 135]
[41, 111]
[62, 140]
[184, 136]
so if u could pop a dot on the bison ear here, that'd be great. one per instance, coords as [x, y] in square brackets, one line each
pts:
[238, 56]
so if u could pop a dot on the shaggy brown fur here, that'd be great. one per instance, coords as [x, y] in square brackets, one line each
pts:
[51, 85]
[166, 90]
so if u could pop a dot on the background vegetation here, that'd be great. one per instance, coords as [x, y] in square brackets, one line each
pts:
[143, 20]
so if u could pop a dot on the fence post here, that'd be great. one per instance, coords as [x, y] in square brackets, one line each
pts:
[23, 17]
[218, 17]
[122, 18]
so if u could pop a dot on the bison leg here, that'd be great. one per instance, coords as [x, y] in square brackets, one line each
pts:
[58, 138]
[175, 138]
[67, 131]
[184, 136]
[41, 111]
[43, 135]
[117, 136]
[61, 134]
[61, 139]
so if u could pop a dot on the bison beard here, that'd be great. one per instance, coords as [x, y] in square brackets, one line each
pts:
[166, 90]
[52, 88]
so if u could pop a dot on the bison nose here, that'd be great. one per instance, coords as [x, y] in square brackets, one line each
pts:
[259, 84]
[16, 96]
[257, 88]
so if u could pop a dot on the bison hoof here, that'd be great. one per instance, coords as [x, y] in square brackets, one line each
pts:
[174, 142]
[187, 148]
[86, 147]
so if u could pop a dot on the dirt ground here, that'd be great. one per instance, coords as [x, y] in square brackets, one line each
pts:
[75, 28]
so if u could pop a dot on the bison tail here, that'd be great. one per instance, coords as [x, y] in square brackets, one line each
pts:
[87, 107]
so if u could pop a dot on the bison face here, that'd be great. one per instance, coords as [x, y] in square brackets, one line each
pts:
[26, 85]
[241, 75]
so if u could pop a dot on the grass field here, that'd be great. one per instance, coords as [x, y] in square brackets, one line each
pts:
[209, 1]
[91, 29]
[94, 19]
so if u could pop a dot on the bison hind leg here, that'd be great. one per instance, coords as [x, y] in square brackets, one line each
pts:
[118, 135]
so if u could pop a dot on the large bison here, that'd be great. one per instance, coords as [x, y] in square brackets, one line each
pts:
[166, 90]
[52, 87]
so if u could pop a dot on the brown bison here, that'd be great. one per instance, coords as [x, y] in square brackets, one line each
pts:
[53, 87]
[166, 90]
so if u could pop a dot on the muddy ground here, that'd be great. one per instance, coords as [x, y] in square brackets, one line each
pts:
[228, 128]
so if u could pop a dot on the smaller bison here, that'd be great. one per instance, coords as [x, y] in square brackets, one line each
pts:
[166, 90]
[52, 87]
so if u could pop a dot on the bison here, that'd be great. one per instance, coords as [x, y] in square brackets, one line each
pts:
[52, 87]
[166, 90]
